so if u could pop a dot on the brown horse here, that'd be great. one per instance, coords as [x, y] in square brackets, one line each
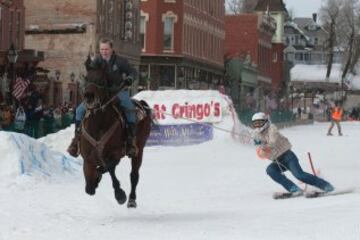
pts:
[103, 136]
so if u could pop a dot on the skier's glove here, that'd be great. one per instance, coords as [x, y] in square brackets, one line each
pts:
[257, 142]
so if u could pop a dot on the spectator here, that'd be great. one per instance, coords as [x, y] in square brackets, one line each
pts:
[299, 112]
[57, 118]
[7, 117]
[336, 117]
[20, 119]
[354, 115]
[38, 111]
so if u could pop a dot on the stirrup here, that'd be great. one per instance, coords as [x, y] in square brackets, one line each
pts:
[131, 149]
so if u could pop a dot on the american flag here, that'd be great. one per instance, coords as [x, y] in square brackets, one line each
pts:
[20, 86]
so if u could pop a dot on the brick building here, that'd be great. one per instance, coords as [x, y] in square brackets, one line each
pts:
[182, 43]
[12, 22]
[68, 30]
[277, 10]
[249, 38]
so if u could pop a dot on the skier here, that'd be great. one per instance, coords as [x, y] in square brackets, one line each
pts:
[266, 136]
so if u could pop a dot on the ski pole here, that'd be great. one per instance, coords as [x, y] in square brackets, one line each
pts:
[311, 164]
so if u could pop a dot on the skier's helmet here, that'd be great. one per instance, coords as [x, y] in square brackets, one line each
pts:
[260, 121]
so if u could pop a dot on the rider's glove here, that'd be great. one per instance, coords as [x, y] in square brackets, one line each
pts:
[128, 80]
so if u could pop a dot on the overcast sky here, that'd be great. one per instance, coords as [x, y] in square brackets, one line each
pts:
[303, 8]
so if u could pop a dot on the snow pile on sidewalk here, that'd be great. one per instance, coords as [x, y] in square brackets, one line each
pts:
[23, 155]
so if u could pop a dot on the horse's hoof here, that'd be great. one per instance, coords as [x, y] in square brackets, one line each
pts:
[90, 190]
[120, 196]
[132, 203]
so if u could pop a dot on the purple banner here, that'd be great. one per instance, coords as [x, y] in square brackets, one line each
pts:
[184, 134]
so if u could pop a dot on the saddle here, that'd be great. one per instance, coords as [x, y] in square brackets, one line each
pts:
[140, 111]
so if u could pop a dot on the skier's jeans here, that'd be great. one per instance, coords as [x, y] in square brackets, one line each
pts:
[125, 102]
[289, 161]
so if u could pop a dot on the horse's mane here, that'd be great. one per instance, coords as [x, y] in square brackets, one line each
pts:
[96, 76]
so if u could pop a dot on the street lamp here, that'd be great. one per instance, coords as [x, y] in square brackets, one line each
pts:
[72, 77]
[292, 97]
[57, 75]
[12, 56]
[74, 92]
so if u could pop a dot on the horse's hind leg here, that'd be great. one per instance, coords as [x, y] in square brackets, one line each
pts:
[134, 178]
[119, 193]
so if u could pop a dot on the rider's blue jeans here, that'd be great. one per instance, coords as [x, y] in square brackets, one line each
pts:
[125, 102]
[289, 161]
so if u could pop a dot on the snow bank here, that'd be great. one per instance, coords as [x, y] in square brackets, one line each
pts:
[23, 155]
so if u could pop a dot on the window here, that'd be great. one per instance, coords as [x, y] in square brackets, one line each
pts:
[290, 56]
[296, 39]
[167, 76]
[11, 25]
[144, 18]
[299, 56]
[275, 57]
[18, 29]
[312, 27]
[169, 19]
[142, 32]
[1, 22]
[168, 33]
[144, 78]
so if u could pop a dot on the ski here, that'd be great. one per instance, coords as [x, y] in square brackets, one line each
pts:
[316, 194]
[310, 194]
[285, 195]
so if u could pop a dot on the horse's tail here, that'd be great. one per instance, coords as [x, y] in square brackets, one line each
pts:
[149, 112]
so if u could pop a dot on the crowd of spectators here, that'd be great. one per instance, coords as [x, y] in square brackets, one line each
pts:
[31, 116]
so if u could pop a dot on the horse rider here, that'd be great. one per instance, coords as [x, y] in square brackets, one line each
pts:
[118, 70]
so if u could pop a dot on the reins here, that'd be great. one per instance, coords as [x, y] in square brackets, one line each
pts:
[100, 144]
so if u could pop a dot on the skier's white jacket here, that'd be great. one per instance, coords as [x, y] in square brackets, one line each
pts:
[271, 137]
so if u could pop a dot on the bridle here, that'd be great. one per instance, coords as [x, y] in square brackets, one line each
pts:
[96, 106]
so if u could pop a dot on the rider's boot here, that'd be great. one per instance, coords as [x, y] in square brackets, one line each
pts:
[73, 149]
[131, 148]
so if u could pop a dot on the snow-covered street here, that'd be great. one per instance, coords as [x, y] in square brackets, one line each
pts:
[215, 190]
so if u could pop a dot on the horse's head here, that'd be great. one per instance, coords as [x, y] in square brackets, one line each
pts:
[95, 91]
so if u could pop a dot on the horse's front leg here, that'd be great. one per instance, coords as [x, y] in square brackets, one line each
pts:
[134, 178]
[120, 195]
[92, 178]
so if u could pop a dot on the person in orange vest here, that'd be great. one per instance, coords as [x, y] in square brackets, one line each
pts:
[336, 117]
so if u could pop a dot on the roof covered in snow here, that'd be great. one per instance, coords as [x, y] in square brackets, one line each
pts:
[316, 74]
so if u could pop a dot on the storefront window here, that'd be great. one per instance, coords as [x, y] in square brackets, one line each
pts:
[167, 76]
